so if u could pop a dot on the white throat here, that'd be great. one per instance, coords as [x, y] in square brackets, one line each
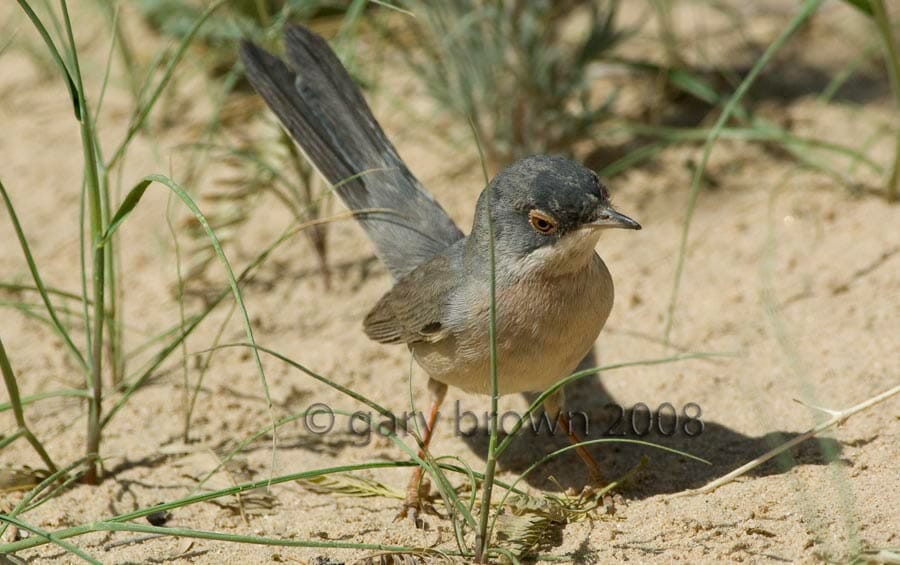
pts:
[572, 253]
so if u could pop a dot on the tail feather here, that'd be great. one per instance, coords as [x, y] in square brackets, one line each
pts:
[324, 111]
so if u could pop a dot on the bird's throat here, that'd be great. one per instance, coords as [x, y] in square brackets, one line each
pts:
[572, 253]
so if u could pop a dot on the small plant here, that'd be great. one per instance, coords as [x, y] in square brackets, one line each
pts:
[518, 70]
[102, 357]
[258, 163]
[261, 20]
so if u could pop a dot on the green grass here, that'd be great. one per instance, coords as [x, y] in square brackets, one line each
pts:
[435, 469]
[100, 297]
[15, 401]
[259, 164]
[803, 13]
[519, 71]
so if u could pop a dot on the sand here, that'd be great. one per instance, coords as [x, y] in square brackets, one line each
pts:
[793, 274]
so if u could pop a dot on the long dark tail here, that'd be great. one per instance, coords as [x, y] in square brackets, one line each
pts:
[325, 113]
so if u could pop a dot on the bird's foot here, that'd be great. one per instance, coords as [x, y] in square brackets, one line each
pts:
[410, 511]
[600, 497]
[415, 505]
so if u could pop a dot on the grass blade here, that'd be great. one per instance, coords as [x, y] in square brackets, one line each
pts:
[892, 61]
[125, 208]
[128, 204]
[64, 393]
[197, 498]
[195, 320]
[572, 447]
[864, 6]
[92, 180]
[49, 537]
[593, 371]
[804, 12]
[349, 392]
[14, 287]
[39, 282]
[140, 116]
[57, 58]
[16, 402]
[482, 538]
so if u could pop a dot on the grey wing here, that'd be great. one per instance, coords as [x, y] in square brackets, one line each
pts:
[414, 310]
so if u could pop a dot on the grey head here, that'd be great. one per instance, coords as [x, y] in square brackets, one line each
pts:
[547, 214]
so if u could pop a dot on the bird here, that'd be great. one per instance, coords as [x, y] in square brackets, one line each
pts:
[553, 292]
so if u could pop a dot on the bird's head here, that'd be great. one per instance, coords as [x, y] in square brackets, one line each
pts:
[548, 213]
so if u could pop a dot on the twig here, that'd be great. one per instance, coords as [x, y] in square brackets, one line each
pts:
[837, 418]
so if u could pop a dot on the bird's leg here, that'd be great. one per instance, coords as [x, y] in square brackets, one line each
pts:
[412, 504]
[596, 475]
[553, 405]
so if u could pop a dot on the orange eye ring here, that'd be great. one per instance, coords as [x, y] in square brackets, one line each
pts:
[542, 223]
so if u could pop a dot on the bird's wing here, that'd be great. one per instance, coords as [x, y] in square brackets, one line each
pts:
[414, 310]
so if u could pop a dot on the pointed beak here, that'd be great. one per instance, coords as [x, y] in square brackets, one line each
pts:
[609, 218]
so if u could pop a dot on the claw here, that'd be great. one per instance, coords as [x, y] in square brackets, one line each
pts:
[413, 505]
[410, 511]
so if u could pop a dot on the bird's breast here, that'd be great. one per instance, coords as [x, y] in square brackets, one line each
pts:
[545, 326]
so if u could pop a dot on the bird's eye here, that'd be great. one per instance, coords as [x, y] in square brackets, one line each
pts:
[541, 222]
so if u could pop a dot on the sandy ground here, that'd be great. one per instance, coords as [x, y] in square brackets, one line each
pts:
[788, 269]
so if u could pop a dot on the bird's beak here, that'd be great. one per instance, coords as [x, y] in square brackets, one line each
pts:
[609, 218]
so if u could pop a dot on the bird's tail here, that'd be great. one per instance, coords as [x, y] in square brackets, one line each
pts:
[324, 111]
